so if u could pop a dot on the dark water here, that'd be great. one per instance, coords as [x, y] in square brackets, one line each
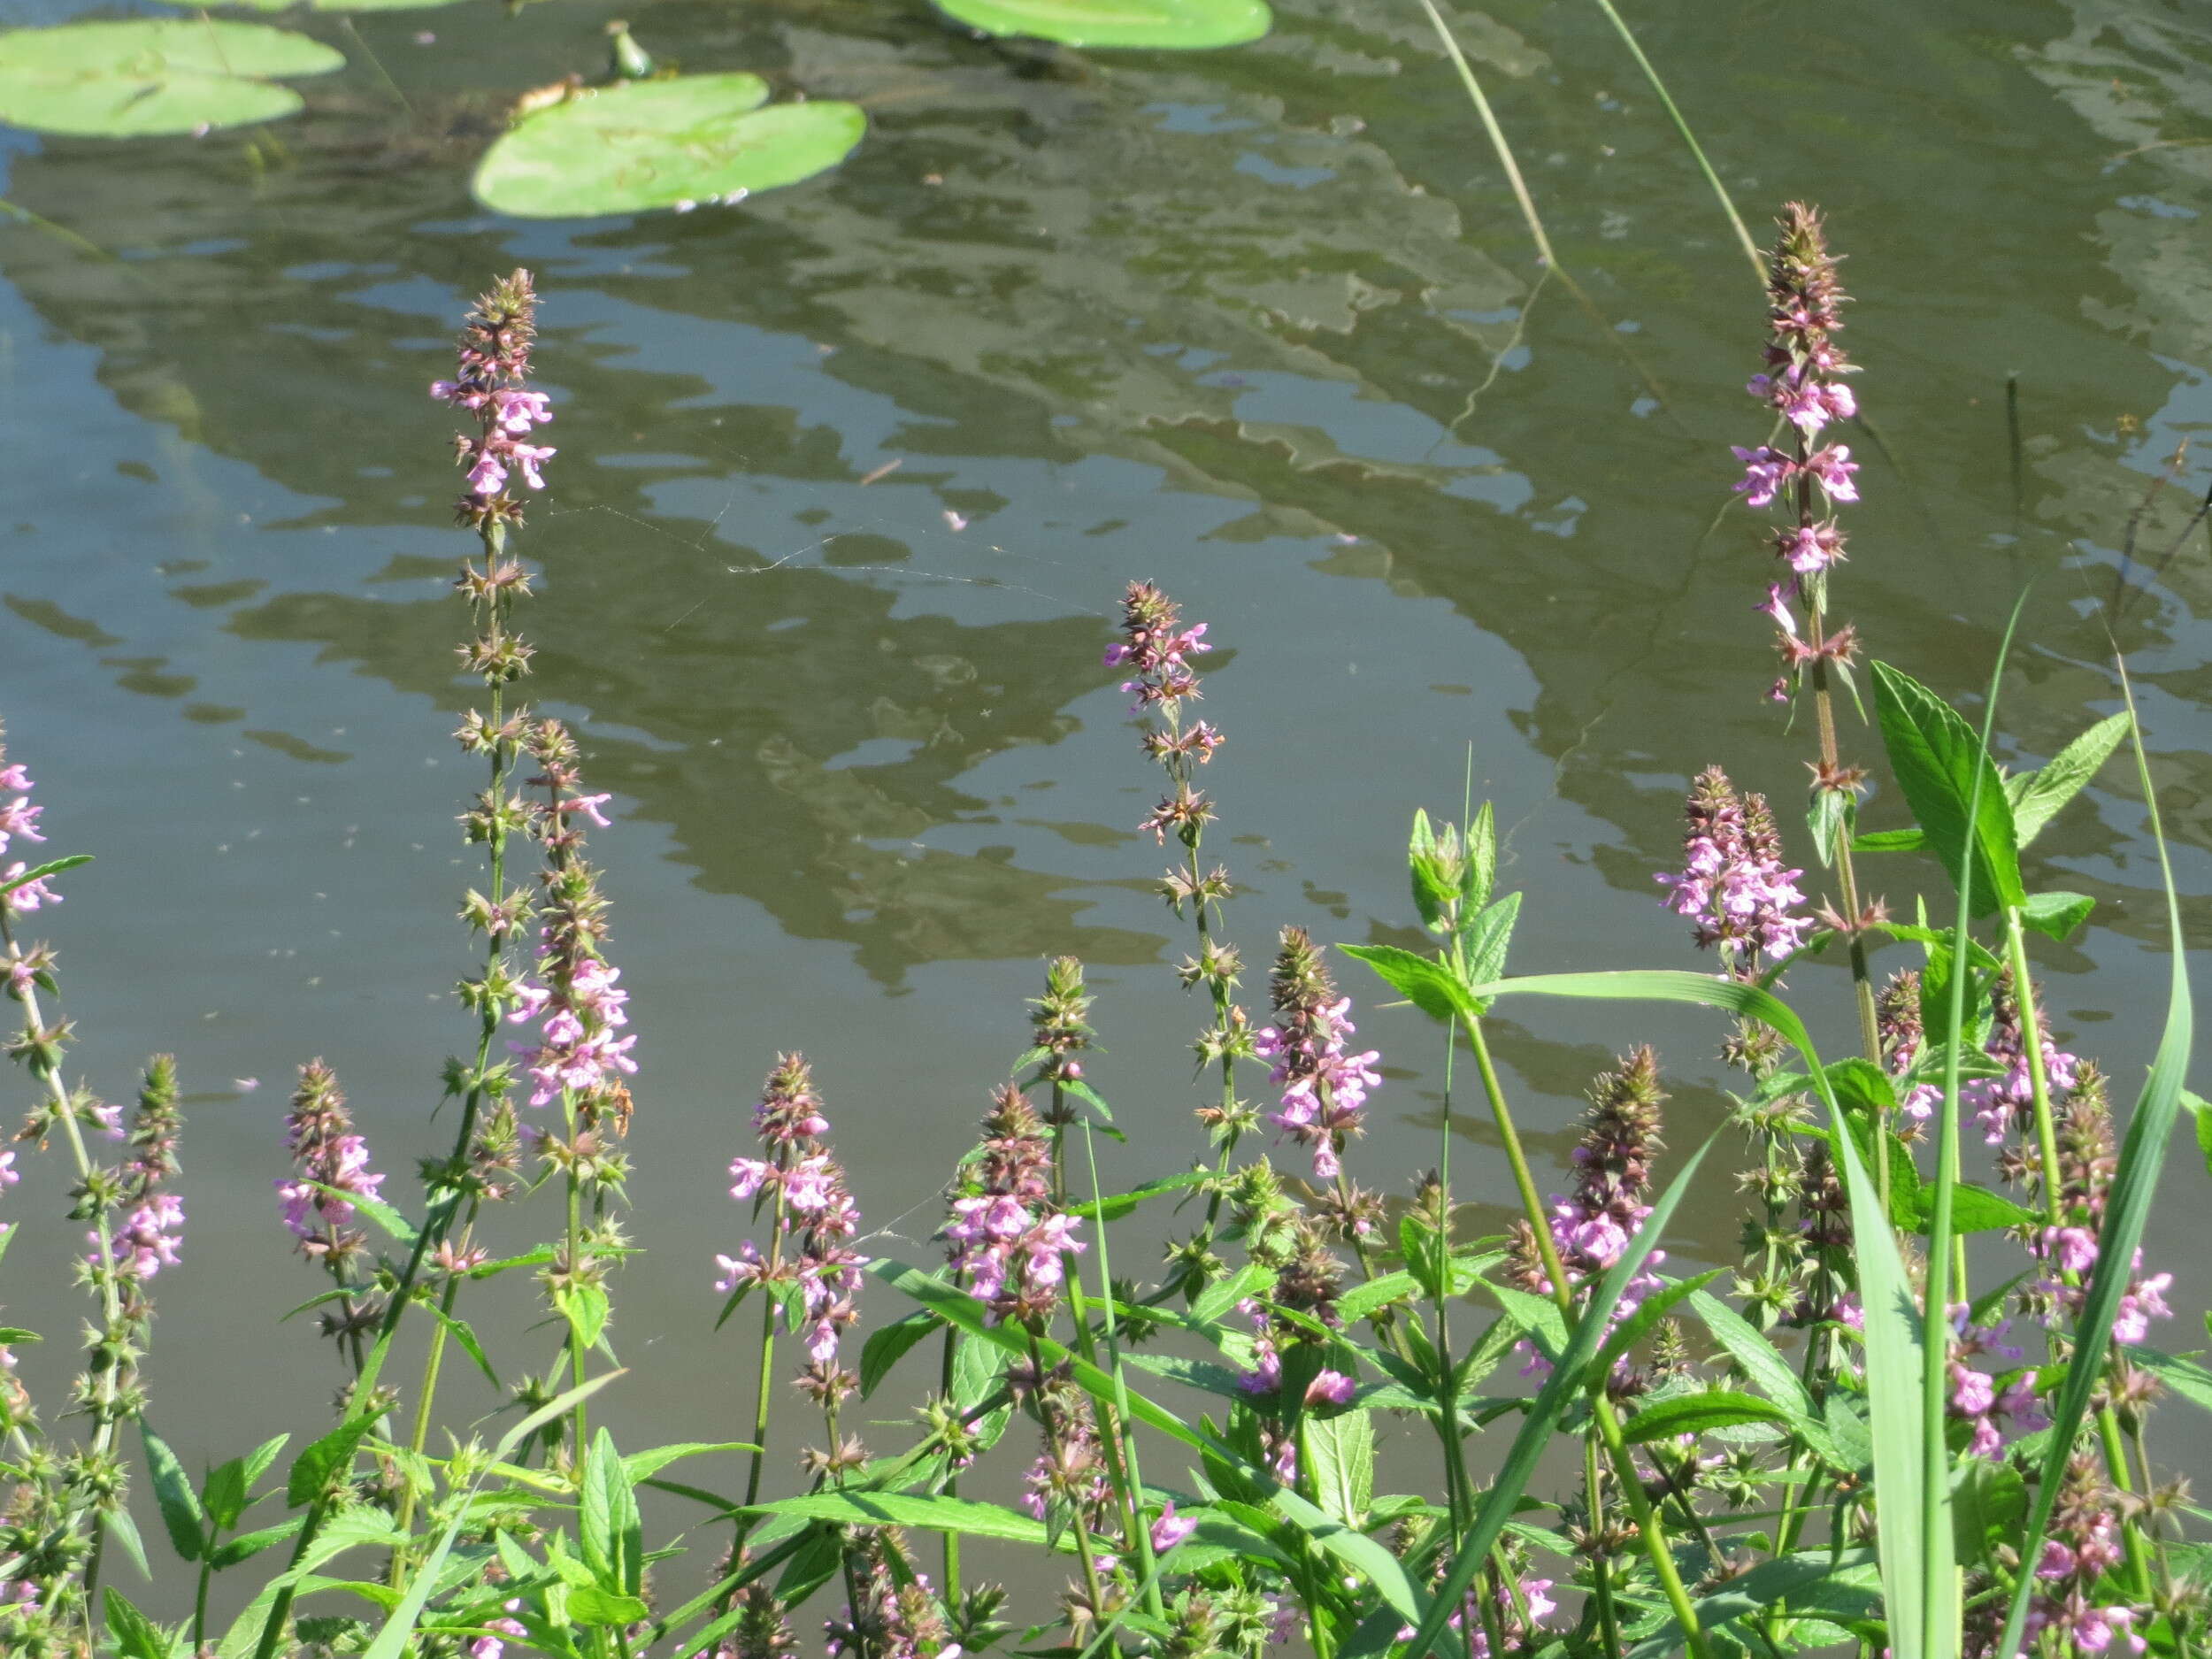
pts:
[1263, 324]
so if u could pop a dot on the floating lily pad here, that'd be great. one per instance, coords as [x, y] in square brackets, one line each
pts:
[1170, 25]
[661, 143]
[148, 75]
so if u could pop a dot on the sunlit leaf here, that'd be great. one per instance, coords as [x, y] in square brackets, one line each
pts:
[1170, 25]
[152, 75]
[690, 139]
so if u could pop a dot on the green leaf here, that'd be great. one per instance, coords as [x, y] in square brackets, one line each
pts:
[1170, 25]
[52, 866]
[1935, 755]
[1537, 1316]
[1896, 840]
[2043, 793]
[643, 1465]
[150, 75]
[1376, 1294]
[647, 144]
[1114, 1206]
[585, 1306]
[246, 1545]
[1697, 1413]
[124, 1531]
[1340, 1451]
[1830, 814]
[1088, 1096]
[1482, 857]
[401, 1229]
[851, 1508]
[314, 1470]
[136, 1636]
[1423, 981]
[589, 1604]
[459, 1330]
[1812, 1581]
[2057, 914]
[1655, 1308]
[1974, 1210]
[1988, 1502]
[1487, 940]
[1762, 1362]
[608, 1528]
[181, 1516]
[1433, 893]
[886, 1347]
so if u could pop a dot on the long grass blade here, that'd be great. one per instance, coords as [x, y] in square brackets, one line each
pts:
[1892, 1324]
[2127, 1204]
[1568, 1378]
[1697, 151]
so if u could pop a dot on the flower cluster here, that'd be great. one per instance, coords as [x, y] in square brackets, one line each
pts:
[816, 1219]
[1997, 1416]
[2005, 1105]
[1897, 1020]
[499, 1632]
[1156, 647]
[18, 821]
[1733, 884]
[2067, 1248]
[1594, 1225]
[1520, 1609]
[2083, 1546]
[576, 1001]
[330, 1161]
[1069, 1472]
[1058, 1021]
[1007, 1234]
[1324, 1088]
[491, 384]
[1804, 382]
[895, 1615]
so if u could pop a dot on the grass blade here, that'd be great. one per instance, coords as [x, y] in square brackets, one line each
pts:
[1567, 1378]
[1697, 152]
[2127, 1204]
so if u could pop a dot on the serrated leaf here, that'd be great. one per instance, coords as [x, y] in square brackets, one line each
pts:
[1896, 840]
[1487, 938]
[886, 1347]
[1699, 1413]
[52, 866]
[1114, 1206]
[608, 1527]
[314, 1468]
[1426, 983]
[2056, 914]
[898, 1509]
[182, 1514]
[589, 1604]
[1341, 1452]
[136, 1636]
[585, 1306]
[1936, 756]
[1974, 1210]
[2045, 791]
[246, 1545]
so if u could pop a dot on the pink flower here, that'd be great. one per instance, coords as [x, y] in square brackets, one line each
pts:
[750, 1174]
[1765, 472]
[1331, 1388]
[1831, 469]
[1170, 1529]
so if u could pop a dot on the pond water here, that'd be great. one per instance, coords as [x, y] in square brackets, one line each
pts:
[1263, 324]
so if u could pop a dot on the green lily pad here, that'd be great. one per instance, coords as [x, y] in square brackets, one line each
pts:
[679, 142]
[149, 76]
[1168, 25]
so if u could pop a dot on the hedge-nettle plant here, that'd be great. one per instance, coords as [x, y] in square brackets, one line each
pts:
[1839, 1441]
